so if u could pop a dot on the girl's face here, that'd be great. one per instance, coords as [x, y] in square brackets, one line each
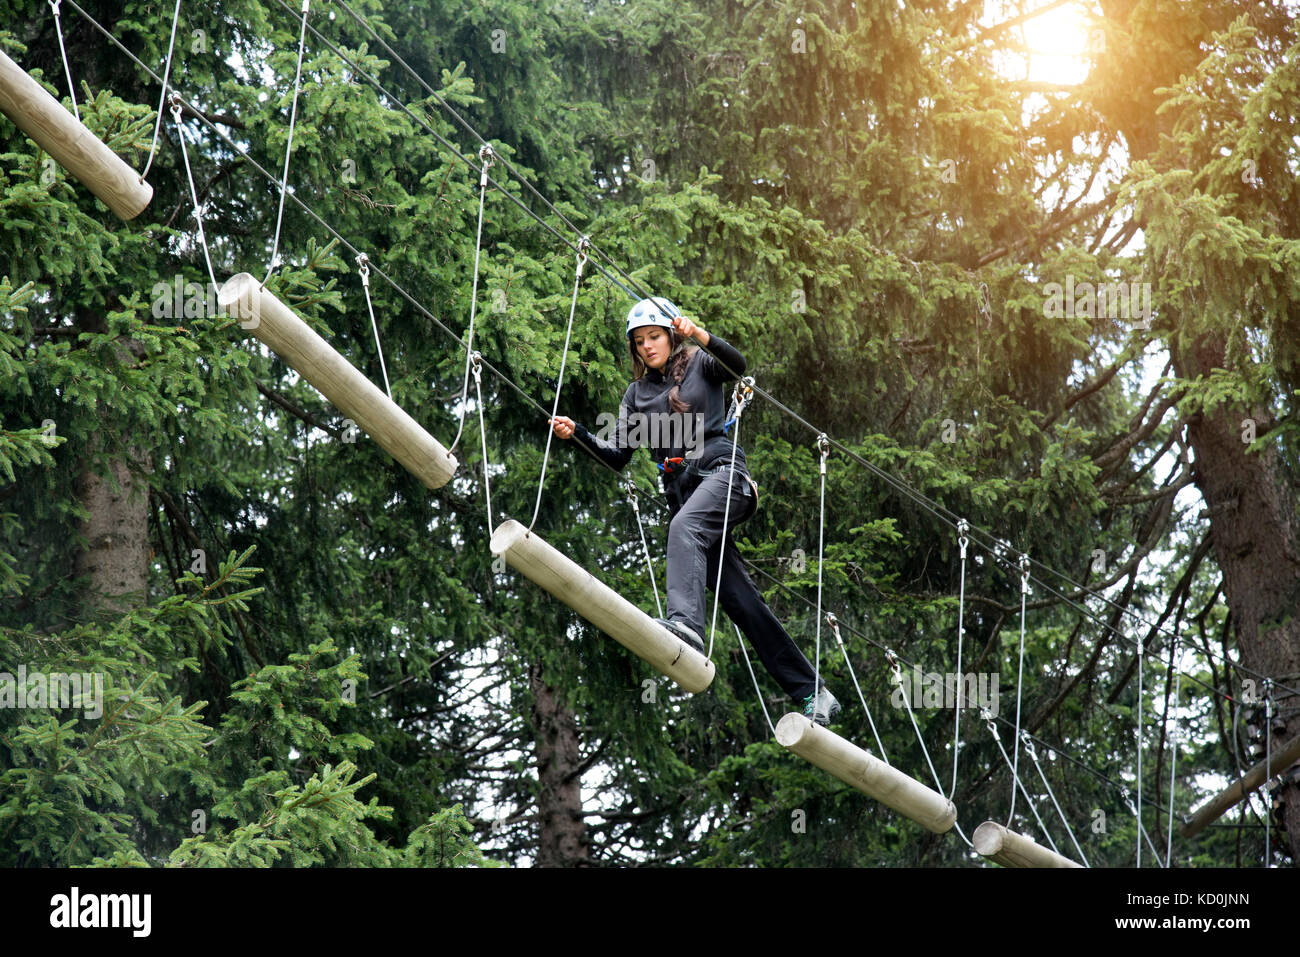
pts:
[652, 345]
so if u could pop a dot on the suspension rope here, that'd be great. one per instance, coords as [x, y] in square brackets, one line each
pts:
[1173, 762]
[1140, 644]
[476, 363]
[898, 680]
[486, 155]
[189, 174]
[1265, 797]
[1020, 682]
[1016, 782]
[58, 28]
[559, 382]
[363, 265]
[823, 447]
[962, 541]
[743, 392]
[1142, 831]
[645, 548]
[288, 148]
[835, 627]
[754, 678]
[1029, 749]
[167, 72]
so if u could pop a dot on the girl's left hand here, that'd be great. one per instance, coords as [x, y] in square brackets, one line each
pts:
[685, 327]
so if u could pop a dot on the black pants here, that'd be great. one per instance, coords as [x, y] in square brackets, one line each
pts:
[695, 538]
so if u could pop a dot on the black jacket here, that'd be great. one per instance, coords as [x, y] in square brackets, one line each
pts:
[645, 418]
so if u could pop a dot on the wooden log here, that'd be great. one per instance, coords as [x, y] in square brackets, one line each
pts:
[337, 379]
[866, 772]
[595, 601]
[72, 146]
[1235, 793]
[1015, 850]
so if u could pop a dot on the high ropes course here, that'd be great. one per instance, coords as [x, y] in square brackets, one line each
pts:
[62, 135]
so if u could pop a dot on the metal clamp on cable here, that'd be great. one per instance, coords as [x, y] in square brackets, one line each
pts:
[584, 244]
[488, 157]
[740, 397]
[363, 265]
[824, 447]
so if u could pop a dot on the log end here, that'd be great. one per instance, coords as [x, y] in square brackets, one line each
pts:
[790, 730]
[506, 535]
[240, 297]
[130, 204]
[988, 838]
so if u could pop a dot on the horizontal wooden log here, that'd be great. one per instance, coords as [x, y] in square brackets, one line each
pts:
[866, 772]
[1015, 850]
[595, 601]
[285, 333]
[1281, 759]
[72, 146]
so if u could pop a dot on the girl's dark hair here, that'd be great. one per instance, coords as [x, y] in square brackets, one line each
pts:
[676, 369]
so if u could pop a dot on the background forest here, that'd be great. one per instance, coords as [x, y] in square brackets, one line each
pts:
[310, 658]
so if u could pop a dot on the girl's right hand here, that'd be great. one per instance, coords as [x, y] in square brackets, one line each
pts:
[563, 426]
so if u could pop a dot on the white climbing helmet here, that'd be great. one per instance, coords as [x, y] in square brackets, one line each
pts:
[651, 312]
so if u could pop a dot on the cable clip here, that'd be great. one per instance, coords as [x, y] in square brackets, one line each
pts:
[834, 624]
[1028, 742]
[893, 663]
[489, 158]
[1024, 572]
[824, 446]
[963, 535]
[363, 264]
[174, 99]
[476, 364]
[584, 244]
[987, 715]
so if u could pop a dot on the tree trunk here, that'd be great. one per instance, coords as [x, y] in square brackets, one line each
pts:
[562, 841]
[1256, 536]
[116, 558]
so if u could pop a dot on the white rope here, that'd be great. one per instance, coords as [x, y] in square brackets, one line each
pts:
[1175, 658]
[1020, 680]
[1142, 831]
[1139, 748]
[194, 194]
[1016, 782]
[288, 149]
[167, 72]
[477, 362]
[486, 155]
[363, 265]
[962, 541]
[645, 548]
[835, 627]
[898, 679]
[1268, 772]
[824, 448]
[583, 245]
[58, 28]
[754, 678]
[743, 391]
[1029, 749]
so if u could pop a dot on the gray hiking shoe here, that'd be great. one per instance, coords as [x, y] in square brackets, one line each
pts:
[684, 632]
[821, 707]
